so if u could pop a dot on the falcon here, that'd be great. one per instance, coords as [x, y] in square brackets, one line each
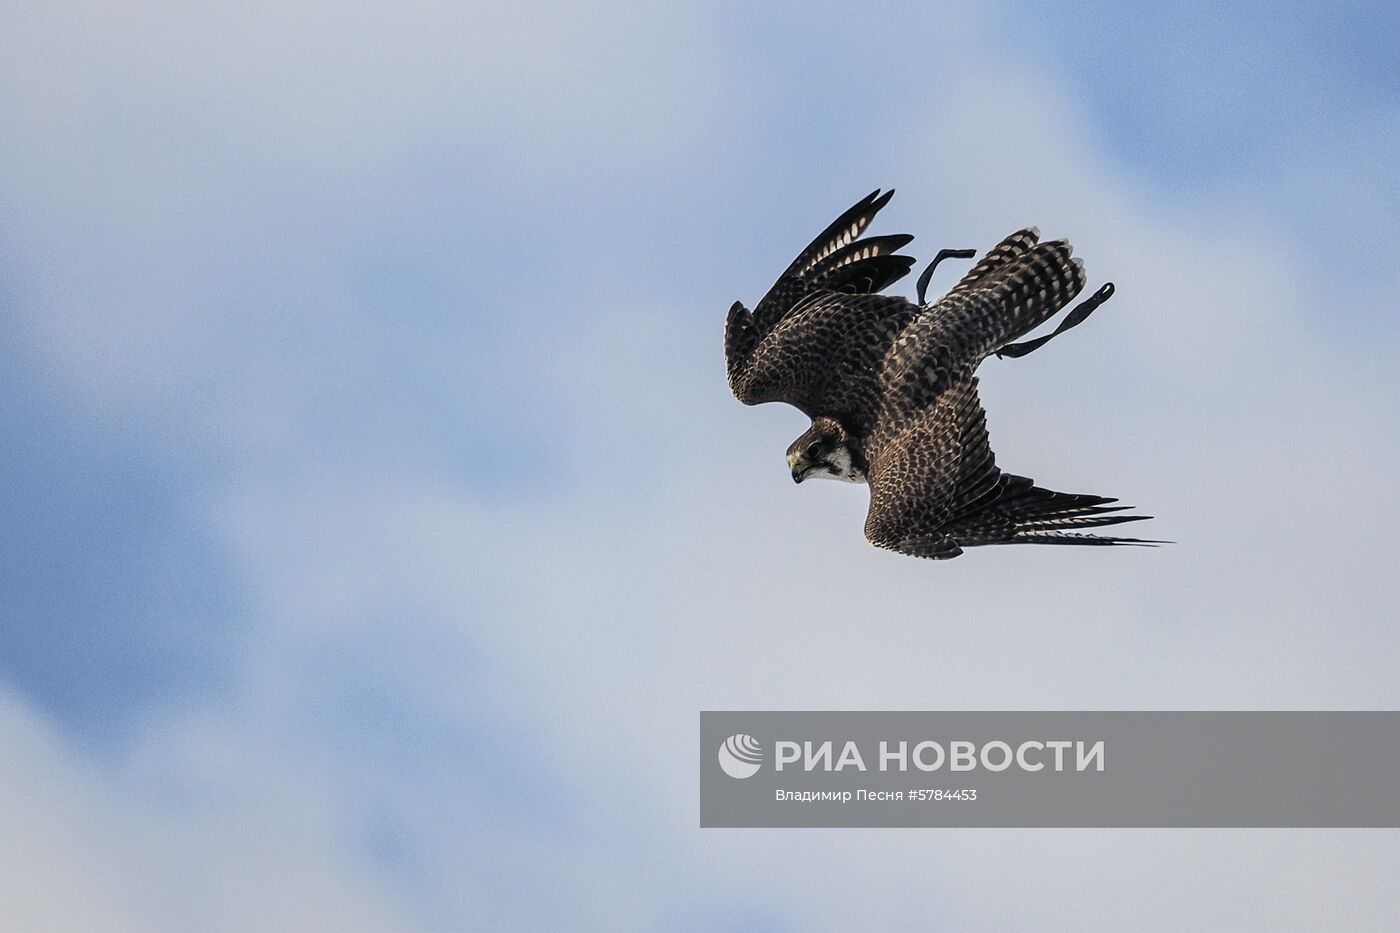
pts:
[890, 384]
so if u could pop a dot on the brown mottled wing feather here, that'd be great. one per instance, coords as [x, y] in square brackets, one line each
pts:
[825, 358]
[935, 489]
[781, 350]
[927, 473]
[1027, 286]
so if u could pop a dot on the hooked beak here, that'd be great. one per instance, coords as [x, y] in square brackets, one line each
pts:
[798, 474]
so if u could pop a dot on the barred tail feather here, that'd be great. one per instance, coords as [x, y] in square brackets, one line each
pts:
[1034, 289]
[998, 259]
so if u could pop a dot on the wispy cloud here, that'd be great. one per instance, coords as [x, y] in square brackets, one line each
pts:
[384, 349]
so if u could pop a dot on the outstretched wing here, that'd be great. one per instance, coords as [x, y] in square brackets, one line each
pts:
[935, 489]
[825, 357]
[837, 261]
[1015, 288]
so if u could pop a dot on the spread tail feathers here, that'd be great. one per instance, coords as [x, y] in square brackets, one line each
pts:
[999, 258]
[1033, 288]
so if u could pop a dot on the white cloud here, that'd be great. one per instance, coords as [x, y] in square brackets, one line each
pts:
[87, 846]
[666, 564]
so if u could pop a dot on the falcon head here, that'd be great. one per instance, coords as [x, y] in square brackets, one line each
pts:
[827, 451]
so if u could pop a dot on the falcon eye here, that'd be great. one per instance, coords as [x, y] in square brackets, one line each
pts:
[814, 450]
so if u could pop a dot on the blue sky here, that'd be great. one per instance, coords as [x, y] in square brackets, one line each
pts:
[378, 518]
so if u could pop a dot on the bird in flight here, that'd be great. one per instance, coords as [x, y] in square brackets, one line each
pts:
[891, 389]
